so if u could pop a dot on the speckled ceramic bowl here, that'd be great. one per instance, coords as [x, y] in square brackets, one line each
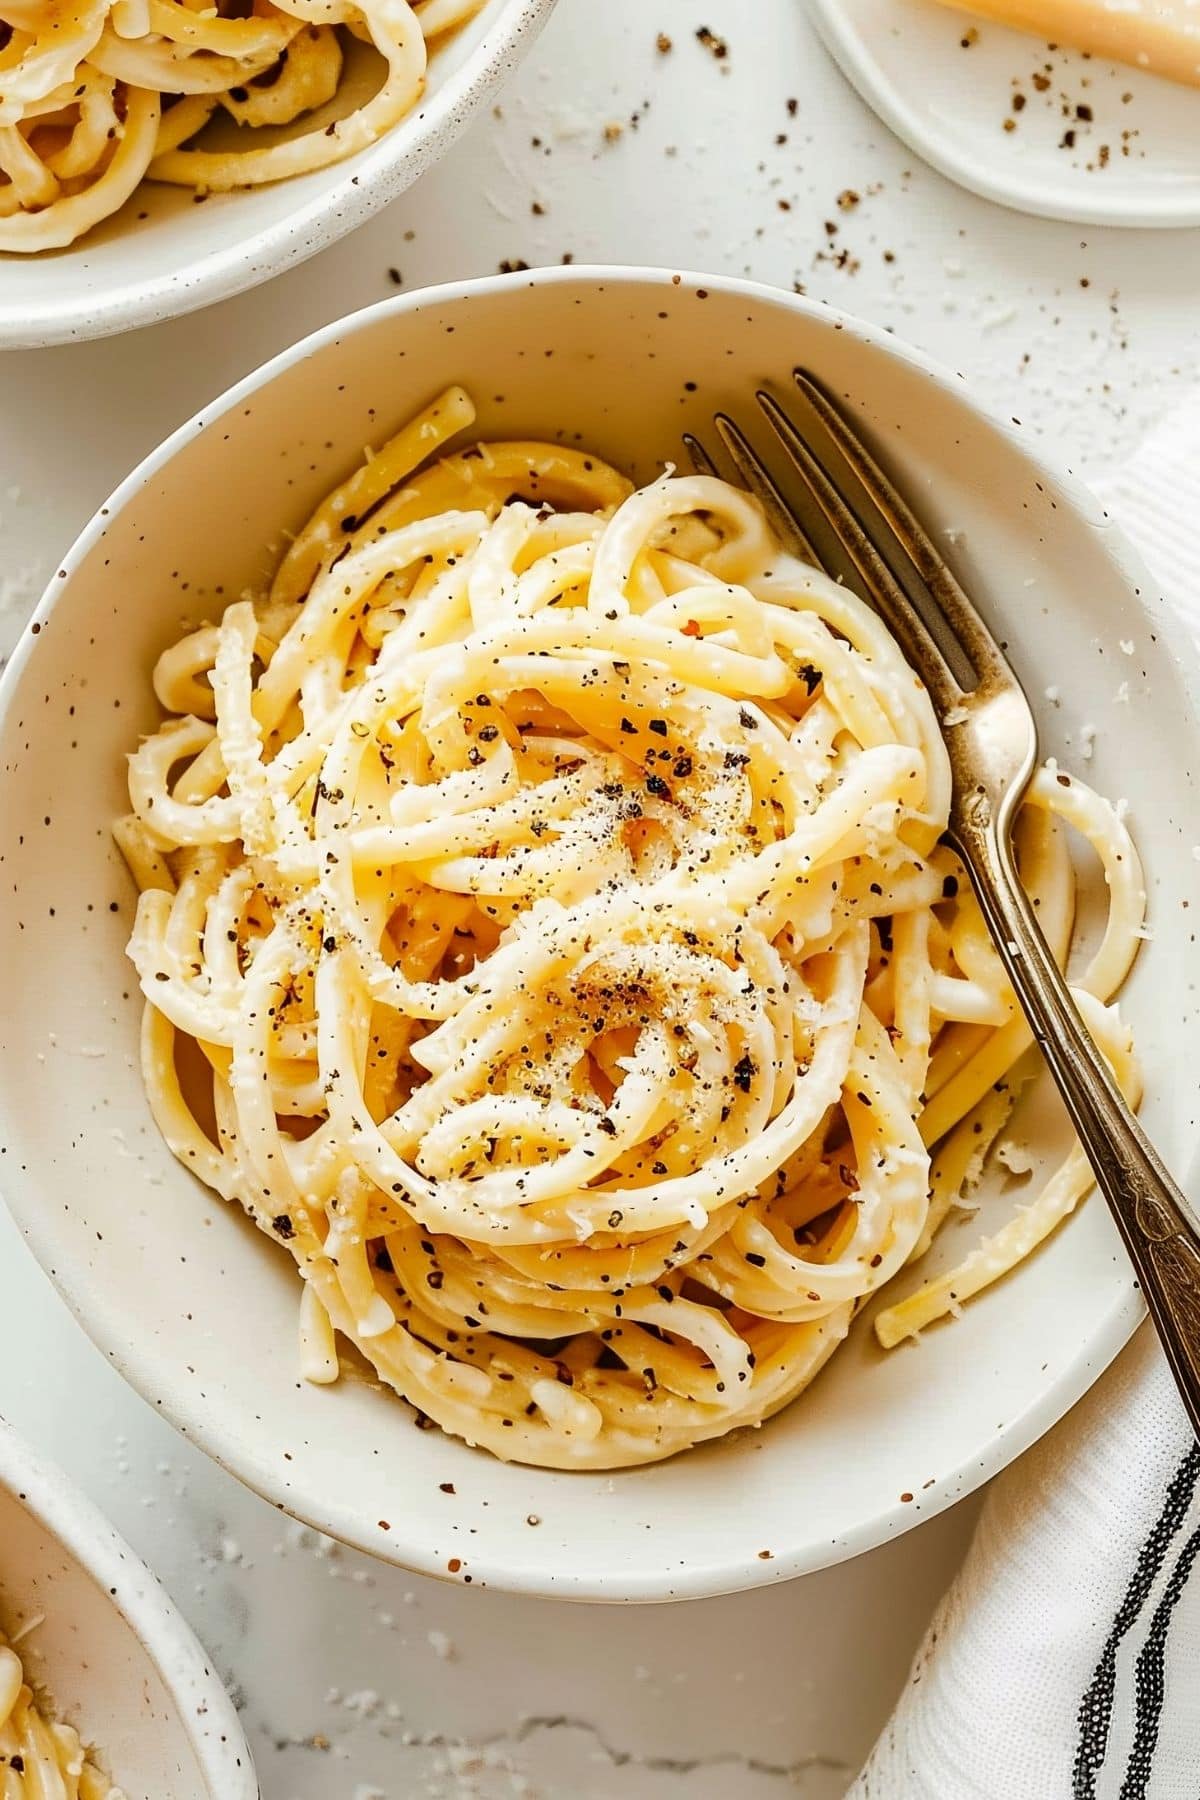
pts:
[195, 1306]
[111, 1651]
[161, 255]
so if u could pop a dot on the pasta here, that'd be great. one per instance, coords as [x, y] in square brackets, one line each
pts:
[97, 95]
[546, 935]
[40, 1758]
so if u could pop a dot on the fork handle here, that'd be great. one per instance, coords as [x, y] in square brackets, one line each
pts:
[1150, 1210]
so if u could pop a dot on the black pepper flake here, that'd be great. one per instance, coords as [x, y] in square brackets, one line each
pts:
[752, 1256]
[282, 1226]
[659, 726]
[657, 786]
[744, 1071]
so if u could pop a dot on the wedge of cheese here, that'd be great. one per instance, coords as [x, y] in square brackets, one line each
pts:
[1162, 36]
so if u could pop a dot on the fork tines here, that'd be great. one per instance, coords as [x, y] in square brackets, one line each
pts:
[833, 505]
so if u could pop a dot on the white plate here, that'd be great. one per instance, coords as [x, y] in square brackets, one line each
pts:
[193, 1304]
[115, 1657]
[1135, 161]
[163, 255]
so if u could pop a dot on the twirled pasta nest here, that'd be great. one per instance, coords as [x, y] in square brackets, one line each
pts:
[547, 936]
[96, 95]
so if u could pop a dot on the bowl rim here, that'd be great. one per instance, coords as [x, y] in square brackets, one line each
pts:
[51, 1498]
[108, 1326]
[249, 262]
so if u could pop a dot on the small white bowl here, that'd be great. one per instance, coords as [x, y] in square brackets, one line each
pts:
[113, 1654]
[135, 270]
[1099, 143]
[194, 1305]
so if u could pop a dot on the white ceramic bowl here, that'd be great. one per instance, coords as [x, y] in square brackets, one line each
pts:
[116, 1658]
[134, 270]
[197, 1308]
[906, 59]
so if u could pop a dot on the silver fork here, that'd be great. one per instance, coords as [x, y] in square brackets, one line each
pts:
[842, 513]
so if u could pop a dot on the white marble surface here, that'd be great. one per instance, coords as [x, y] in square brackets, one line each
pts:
[359, 1683]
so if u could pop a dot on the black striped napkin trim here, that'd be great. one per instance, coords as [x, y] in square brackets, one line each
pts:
[1096, 1708]
[1150, 1689]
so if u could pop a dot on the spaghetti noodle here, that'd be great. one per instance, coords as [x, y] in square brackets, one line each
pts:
[96, 95]
[40, 1758]
[547, 936]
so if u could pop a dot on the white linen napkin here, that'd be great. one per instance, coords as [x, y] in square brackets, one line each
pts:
[1064, 1661]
